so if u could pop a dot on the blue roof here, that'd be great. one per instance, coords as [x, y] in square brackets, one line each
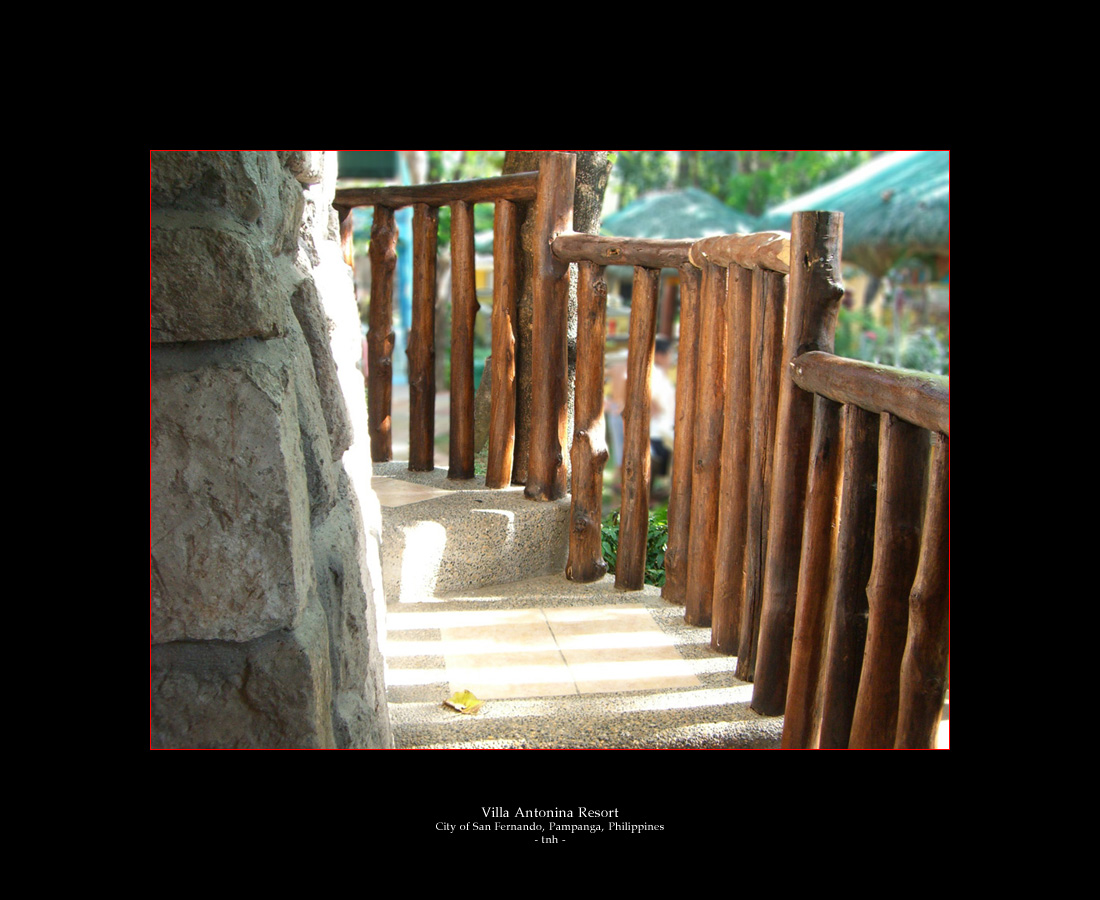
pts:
[689, 213]
[893, 205]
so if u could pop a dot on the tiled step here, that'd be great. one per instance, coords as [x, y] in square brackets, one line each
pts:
[562, 665]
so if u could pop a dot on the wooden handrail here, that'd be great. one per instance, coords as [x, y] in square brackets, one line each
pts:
[617, 251]
[917, 397]
[763, 250]
[518, 188]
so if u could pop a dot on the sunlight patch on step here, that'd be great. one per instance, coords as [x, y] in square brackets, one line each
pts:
[460, 619]
[420, 569]
[398, 677]
[395, 492]
[499, 654]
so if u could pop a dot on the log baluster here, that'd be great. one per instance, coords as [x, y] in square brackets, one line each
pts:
[707, 447]
[851, 572]
[807, 646]
[634, 519]
[464, 307]
[380, 337]
[729, 579]
[903, 458]
[589, 453]
[421, 350]
[679, 501]
[769, 300]
[502, 416]
[924, 665]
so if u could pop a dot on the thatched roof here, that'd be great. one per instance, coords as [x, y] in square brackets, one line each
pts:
[689, 213]
[894, 205]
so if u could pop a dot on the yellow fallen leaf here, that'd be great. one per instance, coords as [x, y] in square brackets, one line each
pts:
[463, 702]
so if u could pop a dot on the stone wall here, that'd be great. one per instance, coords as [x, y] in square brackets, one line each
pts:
[266, 588]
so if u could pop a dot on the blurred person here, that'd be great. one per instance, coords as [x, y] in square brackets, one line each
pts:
[614, 404]
[662, 416]
[662, 413]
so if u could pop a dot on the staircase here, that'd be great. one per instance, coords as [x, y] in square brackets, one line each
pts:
[477, 600]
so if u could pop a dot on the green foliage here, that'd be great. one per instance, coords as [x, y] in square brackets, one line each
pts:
[656, 544]
[858, 336]
[924, 351]
[642, 171]
[483, 221]
[768, 177]
[747, 180]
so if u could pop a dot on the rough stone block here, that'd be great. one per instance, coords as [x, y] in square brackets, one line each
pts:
[251, 188]
[211, 280]
[317, 327]
[274, 692]
[231, 553]
[306, 165]
[344, 589]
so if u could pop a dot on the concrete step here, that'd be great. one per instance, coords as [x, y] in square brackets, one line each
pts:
[563, 665]
[440, 535]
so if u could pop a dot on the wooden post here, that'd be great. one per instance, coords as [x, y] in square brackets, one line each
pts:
[589, 453]
[502, 416]
[852, 570]
[464, 307]
[553, 215]
[815, 295]
[769, 303]
[924, 666]
[903, 457]
[707, 447]
[679, 501]
[634, 520]
[807, 647]
[729, 579]
[421, 350]
[380, 338]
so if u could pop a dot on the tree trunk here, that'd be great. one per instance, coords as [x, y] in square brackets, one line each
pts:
[593, 170]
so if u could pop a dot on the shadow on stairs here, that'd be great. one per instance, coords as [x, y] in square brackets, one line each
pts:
[557, 664]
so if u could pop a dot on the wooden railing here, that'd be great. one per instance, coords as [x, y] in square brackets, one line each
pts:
[868, 665]
[589, 451]
[836, 609]
[825, 606]
[551, 190]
